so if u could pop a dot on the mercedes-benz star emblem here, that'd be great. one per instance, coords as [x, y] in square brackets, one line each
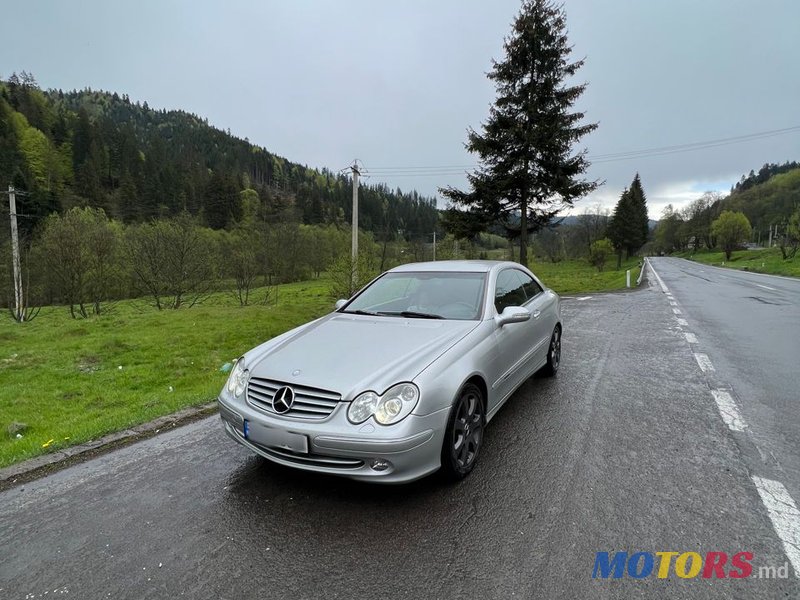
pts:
[282, 400]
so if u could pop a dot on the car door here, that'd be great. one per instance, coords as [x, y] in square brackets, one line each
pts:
[540, 303]
[515, 341]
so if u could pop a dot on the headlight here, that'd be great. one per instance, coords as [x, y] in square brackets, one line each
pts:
[238, 379]
[393, 406]
[363, 407]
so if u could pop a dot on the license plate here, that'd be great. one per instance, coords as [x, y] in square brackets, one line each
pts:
[276, 438]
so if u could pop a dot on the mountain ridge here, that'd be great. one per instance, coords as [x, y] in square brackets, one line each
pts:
[99, 148]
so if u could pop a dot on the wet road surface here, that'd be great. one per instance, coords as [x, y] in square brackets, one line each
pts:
[749, 327]
[625, 450]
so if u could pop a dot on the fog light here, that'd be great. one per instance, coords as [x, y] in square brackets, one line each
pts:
[378, 464]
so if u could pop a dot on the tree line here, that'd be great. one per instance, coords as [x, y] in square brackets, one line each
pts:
[597, 234]
[771, 204]
[86, 261]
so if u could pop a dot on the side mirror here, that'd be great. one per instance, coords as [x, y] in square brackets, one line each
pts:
[339, 304]
[513, 314]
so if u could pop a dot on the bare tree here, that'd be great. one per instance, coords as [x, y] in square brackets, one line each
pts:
[173, 261]
[697, 218]
[550, 243]
[80, 251]
[789, 241]
[103, 241]
[592, 224]
[349, 276]
[240, 249]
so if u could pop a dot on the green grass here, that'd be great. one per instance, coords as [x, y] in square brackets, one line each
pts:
[766, 260]
[579, 277]
[71, 381]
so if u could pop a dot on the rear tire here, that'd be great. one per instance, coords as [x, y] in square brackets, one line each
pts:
[553, 354]
[463, 437]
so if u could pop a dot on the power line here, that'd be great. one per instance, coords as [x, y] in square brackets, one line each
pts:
[421, 167]
[693, 146]
[441, 170]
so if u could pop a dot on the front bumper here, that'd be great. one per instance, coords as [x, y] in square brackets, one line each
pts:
[400, 453]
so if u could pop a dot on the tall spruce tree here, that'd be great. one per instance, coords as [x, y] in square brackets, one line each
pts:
[528, 172]
[639, 201]
[629, 226]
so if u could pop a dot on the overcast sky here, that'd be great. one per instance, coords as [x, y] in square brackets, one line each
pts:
[396, 84]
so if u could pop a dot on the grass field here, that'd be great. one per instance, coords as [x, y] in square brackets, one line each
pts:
[766, 260]
[577, 277]
[71, 381]
[66, 381]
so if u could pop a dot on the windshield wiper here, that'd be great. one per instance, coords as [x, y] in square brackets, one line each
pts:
[360, 312]
[412, 314]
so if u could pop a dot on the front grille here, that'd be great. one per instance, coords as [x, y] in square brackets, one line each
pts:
[309, 403]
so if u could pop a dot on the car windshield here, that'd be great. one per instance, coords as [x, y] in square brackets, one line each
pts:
[423, 295]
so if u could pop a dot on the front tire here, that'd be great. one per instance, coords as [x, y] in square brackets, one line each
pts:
[553, 354]
[464, 434]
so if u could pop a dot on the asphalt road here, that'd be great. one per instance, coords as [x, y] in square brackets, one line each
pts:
[749, 326]
[625, 450]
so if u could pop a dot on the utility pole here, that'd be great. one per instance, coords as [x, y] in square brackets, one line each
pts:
[19, 312]
[356, 173]
[434, 244]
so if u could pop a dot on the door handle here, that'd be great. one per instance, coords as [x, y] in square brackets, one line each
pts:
[535, 314]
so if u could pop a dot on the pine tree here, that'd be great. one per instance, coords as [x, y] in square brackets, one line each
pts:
[620, 228]
[629, 226]
[528, 172]
[222, 204]
[641, 219]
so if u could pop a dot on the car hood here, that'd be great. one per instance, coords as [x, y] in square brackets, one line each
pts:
[350, 354]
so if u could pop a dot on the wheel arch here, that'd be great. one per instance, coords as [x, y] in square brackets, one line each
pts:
[478, 380]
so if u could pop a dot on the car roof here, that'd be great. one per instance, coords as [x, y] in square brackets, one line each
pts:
[452, 266]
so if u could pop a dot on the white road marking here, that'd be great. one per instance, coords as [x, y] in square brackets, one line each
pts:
[781, 507]
[677, 311]
[673, 303]
[584, 298]
[683, 322]
[703, 362]
[664, 288]
[784, 515]
[728, 410]
[690, 337]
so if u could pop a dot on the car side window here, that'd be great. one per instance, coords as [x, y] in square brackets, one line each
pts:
[509, 290]
[530, 286]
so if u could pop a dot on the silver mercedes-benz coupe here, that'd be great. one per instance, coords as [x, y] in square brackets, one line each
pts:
[401, 379]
